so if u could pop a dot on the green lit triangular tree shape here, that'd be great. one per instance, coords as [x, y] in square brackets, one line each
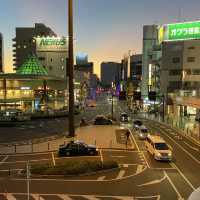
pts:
[32, 66]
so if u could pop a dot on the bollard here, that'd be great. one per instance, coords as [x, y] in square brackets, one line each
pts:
[48, 146]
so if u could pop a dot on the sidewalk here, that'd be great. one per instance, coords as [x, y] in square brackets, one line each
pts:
[105, 137]
[189, 126]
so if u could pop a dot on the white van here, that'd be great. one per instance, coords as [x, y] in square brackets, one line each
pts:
[158, 148]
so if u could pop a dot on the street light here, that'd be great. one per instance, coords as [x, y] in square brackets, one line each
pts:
[71, 69]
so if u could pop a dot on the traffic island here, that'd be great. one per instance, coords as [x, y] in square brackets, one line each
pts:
[71, 168]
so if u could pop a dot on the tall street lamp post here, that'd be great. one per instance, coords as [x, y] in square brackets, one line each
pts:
[71, 69]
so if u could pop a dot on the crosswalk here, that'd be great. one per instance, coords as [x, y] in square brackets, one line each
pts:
[23, 196]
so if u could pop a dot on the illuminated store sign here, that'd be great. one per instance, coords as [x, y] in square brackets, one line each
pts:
[51, 44]
[180, 31]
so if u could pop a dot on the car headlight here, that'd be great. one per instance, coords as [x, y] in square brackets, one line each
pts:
[158, 154]
[170, 154]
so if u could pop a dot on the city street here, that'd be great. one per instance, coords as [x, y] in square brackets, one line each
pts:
[139, 175]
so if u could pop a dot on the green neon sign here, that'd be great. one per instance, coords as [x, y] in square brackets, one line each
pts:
[181, 31]
[52, 41]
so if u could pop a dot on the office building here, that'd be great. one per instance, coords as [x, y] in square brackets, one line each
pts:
[151, 59]
[136, 71]
[1, 53]
[110, 73]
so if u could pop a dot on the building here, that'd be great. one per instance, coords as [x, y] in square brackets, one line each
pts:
[81, 58]
[151, 59]
[136, 70]
[52, 53]
[25, 44]
[1, 53]
[85, 67]
[110, 73]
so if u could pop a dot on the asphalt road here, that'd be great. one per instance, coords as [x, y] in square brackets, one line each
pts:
[140, 176]
[41, 128]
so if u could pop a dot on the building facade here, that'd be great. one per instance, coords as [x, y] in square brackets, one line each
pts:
[1, 53]
[25, 44]
[151, 59]
[110, 73]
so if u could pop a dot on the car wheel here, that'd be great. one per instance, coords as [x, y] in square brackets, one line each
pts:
[68, 153]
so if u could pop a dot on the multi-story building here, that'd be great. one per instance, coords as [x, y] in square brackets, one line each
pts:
[84, 67]
[52, 53]
[25, 44]
[110, 73]
[151, 59]
[1, 53]
[136, 70]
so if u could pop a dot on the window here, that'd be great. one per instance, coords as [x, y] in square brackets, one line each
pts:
[18, 46]
[51, 59]
[50, 68]
[25, 46]
[196, 72]
[62, 59]
[188, 71]
[62, 67]
[191, 59]
[191, 48]
[176, 60]
[41, 58]
[175, 72]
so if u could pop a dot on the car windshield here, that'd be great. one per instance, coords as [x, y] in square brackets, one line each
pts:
[161, 146]
[139, 123]
[144, 130]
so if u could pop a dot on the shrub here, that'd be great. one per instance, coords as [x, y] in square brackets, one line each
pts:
[73, 167]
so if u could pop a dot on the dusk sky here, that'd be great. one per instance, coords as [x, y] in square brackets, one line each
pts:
[105, 29]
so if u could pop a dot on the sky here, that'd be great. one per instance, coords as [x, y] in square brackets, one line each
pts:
[104, 29]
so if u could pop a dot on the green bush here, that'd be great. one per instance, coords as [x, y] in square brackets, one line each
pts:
[73, 167]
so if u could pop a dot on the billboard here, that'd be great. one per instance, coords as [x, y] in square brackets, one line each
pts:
[51, 44]
[179, 31]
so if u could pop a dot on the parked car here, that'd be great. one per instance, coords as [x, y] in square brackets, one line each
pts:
[124, 117]
[142, 132]
[137, 123]
[77, 148]
[102, 120]
[158, 148]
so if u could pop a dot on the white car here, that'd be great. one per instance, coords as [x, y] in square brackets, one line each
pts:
[158, 148]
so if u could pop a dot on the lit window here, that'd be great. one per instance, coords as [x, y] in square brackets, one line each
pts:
[25, 46]
[18, 46]
[62, 67]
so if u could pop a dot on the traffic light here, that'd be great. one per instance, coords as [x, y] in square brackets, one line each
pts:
[137, 96]
[152, 96]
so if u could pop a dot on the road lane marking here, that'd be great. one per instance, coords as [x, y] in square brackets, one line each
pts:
[174, 187]
[181, 147]
[37, 196]
[53, 159]
[139, 169]
[141, 152]
[118, 156]
[121, 174]
[153, 182]
[64, 197]
[194, 148]
[101, 178]
[101, 155]
[184, 177]
[9, 196]
[86, 196]
[3, 161]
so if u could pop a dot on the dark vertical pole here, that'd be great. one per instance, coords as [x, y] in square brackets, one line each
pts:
[71, 69]
[5, 92]
[163, 98]
[112, 106]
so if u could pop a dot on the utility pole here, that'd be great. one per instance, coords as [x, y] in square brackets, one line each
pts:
[27, 178]
[163, 98]
[112, 106]
[71, 69]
